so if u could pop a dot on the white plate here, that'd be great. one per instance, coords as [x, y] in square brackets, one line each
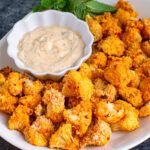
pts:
[119, 140]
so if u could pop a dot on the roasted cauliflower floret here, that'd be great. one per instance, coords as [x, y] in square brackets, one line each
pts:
[104, 90]
[110, 25]
[117, 74]
[20, 118]
[32, 87]
[127, 7]
[112, 45]
[2, 79]
[135, 79]
[95, 28]
[145, 89]
[130, 36]
[72, 102]
[55, 104]
[15, 83]
[7, 101]
[146, 29]
[30, 101]
[39, 132]
[132, 95]
[80, 117]
[146, 47]
[39, 110]
[145, 110]
[64, 139]
[98, 134]
[109, 112]
[130, 120]
[85, 70]
[98, 60]
[77, 85]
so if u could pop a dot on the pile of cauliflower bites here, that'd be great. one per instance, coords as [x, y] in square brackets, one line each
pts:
[109, 93]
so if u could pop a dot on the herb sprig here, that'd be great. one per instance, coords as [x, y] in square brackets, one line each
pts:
[80, 8]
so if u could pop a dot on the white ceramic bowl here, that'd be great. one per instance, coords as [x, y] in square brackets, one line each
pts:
[49, 18]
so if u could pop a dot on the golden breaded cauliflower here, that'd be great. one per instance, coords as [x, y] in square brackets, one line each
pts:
[146, 29]
[20, 119]
[80, 117]
[130, 120]
[98, 134]
[85, 70]
[32, 87]
[15, 83]
[110, 25]
[30, 101]
[98, 60]
[145, 89]
[2, 79]
[146, 47]
[132, 95]
[7, 101]
[145, 110]
[39, 132]
[135, 79]
[134, 23]
[55, 104]
[95, 28]
[130, 36]
[117, 73]
[104, 90]
[112, 45]
[39, 110]
[126, 6]
[77, 85]
[109, 112]
[64, 139]
[72, 102]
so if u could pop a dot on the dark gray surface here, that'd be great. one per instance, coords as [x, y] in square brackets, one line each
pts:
[10, 12]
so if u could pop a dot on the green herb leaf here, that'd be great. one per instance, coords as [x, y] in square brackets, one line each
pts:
[38, 8]
[99, 8]
[47, 3]
[60, 4]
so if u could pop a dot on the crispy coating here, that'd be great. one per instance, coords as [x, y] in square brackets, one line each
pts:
[130, 36]
[134, 23]
[7, 101]
[72, 102]
[98, 60]
[95, 28]
[137, 55]
[32, 87]
[146, 47]
[55, 104]
[15, 83]
[30, 101]
[39, 110]
[127, 7]
[130, 120]
[135, 79]
[39, 132]
[20, 119]
[132, 95]
[112, 45]
[109, 112]
[110, 25]
[6, 71]
[145, 89]
[77, 85]
[64, 139]
[80, 117]
[145, 110]
[85, 70]
[2, 79]
[123, 16]
[98, 134]
[146, 29]
[117, 73]
[104, 90]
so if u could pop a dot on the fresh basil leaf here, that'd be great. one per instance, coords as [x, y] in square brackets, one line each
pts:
[60, 4]
[99, 8]
[38, 8]
[47, 3]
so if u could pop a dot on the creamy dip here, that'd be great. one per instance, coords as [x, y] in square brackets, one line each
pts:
[50, 49]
